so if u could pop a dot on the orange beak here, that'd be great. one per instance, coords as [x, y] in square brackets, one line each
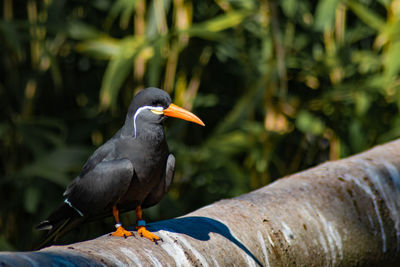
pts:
[178, 112]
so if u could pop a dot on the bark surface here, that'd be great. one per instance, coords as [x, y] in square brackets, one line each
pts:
[342, 213]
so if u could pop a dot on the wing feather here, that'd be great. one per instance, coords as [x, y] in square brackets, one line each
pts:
[100, 188]
[162, 188]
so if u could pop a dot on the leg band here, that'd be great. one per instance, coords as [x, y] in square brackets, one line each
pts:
[141, 223]
[118, 225]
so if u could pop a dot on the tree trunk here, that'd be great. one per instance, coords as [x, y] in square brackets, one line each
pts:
[342, 213]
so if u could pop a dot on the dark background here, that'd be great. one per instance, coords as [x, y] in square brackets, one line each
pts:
[281, 85]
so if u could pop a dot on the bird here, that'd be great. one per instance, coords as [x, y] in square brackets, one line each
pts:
[131, 171]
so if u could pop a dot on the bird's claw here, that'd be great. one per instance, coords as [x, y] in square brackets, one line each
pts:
[121, 232]
[143, 232]
[157, 240]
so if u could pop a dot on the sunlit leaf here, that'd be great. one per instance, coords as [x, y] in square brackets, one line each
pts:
[362, 103]
[118, 69]
[209, 28]
[367, 61]
[308, 123]
[290, 7]
[325, 14]
[369, 17]
[103, 47]
[391, 62]
[114, 76]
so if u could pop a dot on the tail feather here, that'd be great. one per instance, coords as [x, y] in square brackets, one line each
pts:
[61, 221]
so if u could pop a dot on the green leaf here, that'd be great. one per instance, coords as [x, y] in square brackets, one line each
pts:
[357, 138]
[362, 103]
[325, 14]
[114, 76]
[366, 60]
[38, 169]
[56, 165]
[391, 62]
[125, 8]
[308, 123]
[209, 28]
[393, 133]
[157, 17]
[118, 69]
[369, 17]
[156, 64]
[103, 48]
[32, 196]
[392, 30]
[11, 36]
[289, 7]
[82, 31]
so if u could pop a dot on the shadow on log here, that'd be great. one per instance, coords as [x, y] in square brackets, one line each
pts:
[342, 213]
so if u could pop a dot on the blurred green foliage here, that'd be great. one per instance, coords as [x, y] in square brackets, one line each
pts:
[281, 86]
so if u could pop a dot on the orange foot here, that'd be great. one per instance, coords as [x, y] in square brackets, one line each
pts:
[121, 232]
[143, 232]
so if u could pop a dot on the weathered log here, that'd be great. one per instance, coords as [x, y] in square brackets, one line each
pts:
[342, 213]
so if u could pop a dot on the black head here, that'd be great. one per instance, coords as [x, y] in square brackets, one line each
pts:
[149, 108]
[150, 97]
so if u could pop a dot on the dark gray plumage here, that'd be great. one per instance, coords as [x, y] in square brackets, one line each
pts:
[133, 168]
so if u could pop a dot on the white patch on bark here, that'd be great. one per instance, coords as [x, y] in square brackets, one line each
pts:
[263, 247]
[270, 240]
[389, 193]
[311, 214]
[365, 187]
[333, 238]
[329, 237]
[130, 255]
[250, 261]
[197, 254]
[216, 264]
[154, 261]
[287, 232]
[173, 249]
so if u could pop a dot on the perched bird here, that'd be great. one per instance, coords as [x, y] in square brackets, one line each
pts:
[132, 170]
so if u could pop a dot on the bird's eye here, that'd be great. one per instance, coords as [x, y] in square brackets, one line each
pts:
[156, 104]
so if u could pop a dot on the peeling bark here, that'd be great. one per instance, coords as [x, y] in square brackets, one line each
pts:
[342, 213]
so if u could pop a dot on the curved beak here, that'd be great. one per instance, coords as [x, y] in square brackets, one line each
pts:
[178, 112]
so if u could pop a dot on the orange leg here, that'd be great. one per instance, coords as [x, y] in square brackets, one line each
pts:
[141, 227]
[120, 230]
